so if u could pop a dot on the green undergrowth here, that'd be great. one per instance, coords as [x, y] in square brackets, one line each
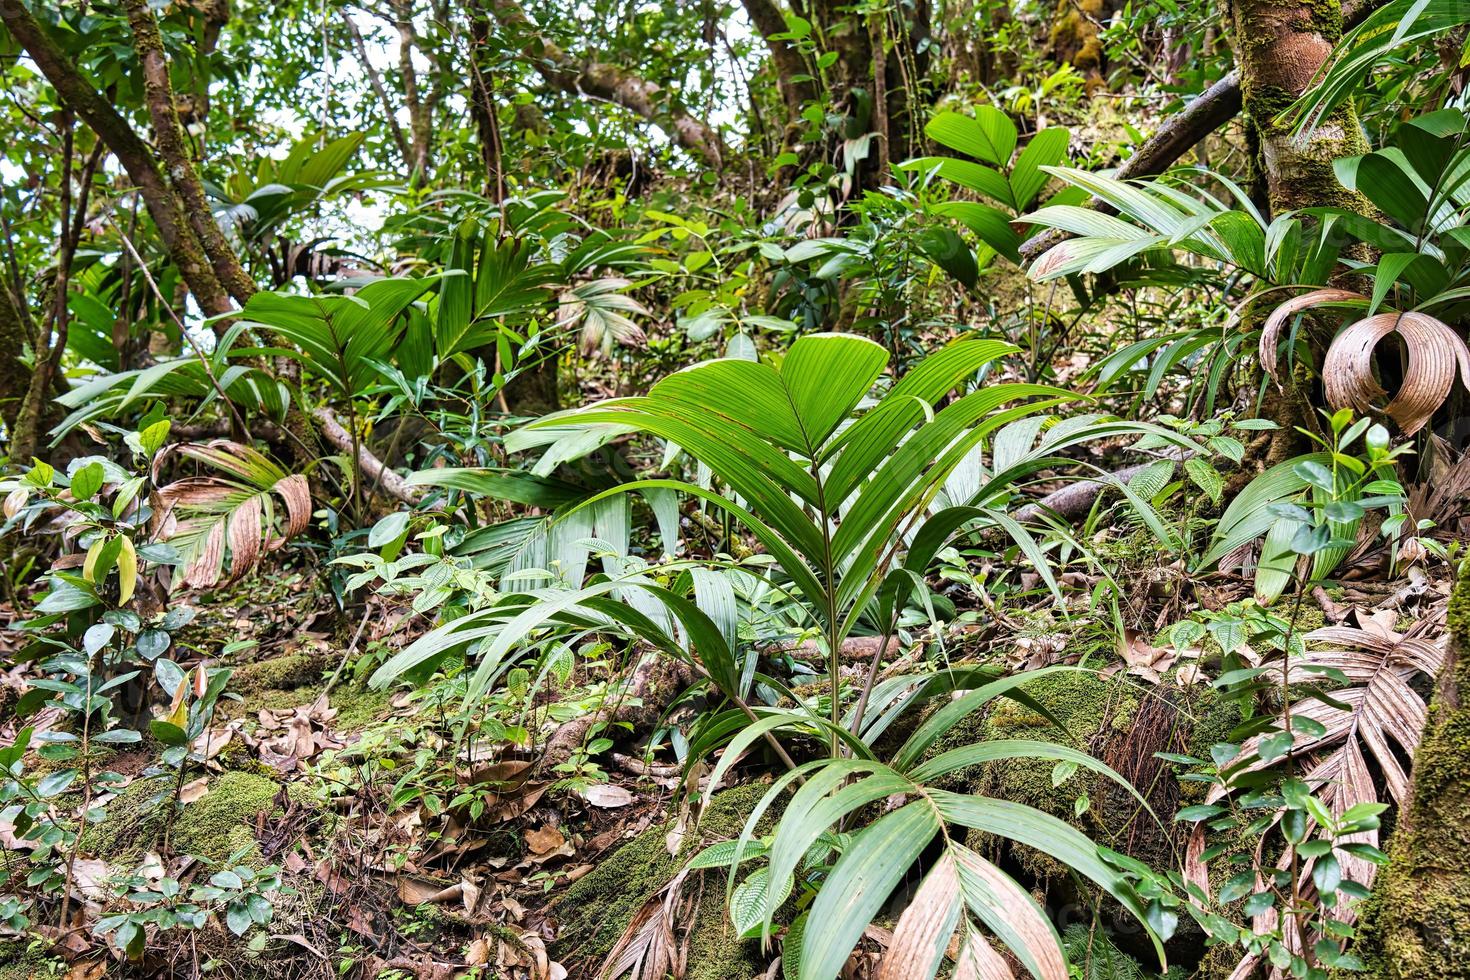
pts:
[19, 962]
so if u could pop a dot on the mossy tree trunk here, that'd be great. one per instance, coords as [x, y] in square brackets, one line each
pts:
[1075, 39]
[1418, 921]
[1279, 47]
[15, 375]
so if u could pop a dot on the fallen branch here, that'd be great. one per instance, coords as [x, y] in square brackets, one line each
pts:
[1075, 498]
[654, 681]
[1181, 133]
[854, 649]
[383, 475]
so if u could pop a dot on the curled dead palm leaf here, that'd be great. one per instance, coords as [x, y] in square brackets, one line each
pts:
[1436, 353]
[201, 515]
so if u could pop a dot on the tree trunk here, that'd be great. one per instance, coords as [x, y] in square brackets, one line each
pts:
[1074, 38]
[15, 376]
[793, 75]
[1417, 924]
[1279, 47]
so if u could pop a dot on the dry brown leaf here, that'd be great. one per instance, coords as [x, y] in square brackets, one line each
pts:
[87, 970]
[1385, 716]
[544, 840]
[979, 961]
[1271, 329]
[194, 790]
[208, 510]
[922, 932]
[1022, 913]
[88, 876]
[477, 953]
[607, 796]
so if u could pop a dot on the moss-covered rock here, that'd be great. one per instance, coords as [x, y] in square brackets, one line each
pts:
[214, 826]
[286, 673]
[299, 679]
[1091, 709]
[597, 908]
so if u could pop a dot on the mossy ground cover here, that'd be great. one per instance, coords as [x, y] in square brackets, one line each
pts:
[216, 825]
[595, 910]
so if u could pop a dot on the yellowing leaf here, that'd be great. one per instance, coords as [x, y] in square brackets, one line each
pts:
[127, 571]
[89, 566]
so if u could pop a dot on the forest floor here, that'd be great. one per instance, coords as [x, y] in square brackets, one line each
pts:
[402, 855]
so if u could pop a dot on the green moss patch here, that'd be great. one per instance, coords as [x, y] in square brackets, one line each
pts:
[597, 908]
[213, 827]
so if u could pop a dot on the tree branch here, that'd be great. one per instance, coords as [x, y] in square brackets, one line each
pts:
[376, 80]
[419, 111]
[613, 84]
[1181, 133]
[136, 158]
[168, 134]
[167, 210]
[372, 467]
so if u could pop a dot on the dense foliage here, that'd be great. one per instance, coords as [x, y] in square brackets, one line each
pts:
[892, 489]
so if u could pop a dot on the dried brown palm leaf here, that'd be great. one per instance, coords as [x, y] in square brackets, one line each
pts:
[962, 880]
[1384, 715]
[1435, 354]
[923, 931]
[198, 515]
[648, 948]
[978, 960]
[1271, 329]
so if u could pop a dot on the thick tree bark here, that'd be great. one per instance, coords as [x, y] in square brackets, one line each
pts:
[15, 375]
[1417, 924]
[614, 84]
[1279, 48]
[168, 136]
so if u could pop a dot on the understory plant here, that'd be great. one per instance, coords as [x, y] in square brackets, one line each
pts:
[839, 489]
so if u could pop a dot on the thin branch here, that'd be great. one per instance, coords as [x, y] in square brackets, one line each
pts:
[601, 80]
[376, 80]
[168, 133]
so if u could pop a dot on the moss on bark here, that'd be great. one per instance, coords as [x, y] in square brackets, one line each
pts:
[1280, 45]
[1417, 923]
